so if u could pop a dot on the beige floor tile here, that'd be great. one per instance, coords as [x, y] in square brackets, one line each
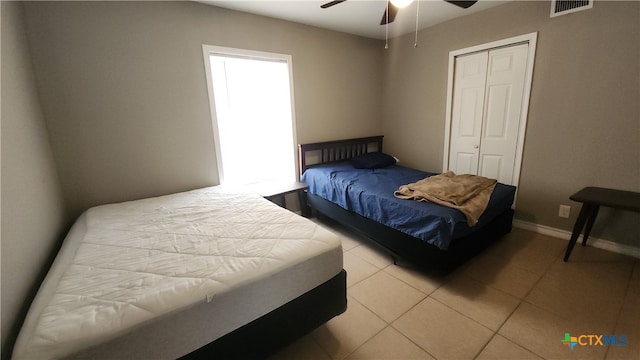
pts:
[528, 250]
[519, 287]
[520, 240]
[541, 243]
[515, 263]
[343, 334]
[629, 323]
[349, 243]
[357, 269]
[630, 313]
[443, 332]
[502, 274]
[373, 254]
[389, 344]
[583, 290]
[386, 296]
[482, 303]
[349, 239]
[591, 254]
[541, 332]
[418, 279]
[628, 348]
[535, 261]
[305, 348]
[500, 348]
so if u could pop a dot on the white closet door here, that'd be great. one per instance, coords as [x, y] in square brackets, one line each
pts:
[466, 121]
[502, 109]
[486, 108]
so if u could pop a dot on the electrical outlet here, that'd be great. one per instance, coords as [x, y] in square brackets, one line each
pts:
[564, 211]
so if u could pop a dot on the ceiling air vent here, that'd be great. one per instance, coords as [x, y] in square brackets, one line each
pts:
[563, 7]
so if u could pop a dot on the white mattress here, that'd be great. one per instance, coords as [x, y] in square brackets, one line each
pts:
[160, 277]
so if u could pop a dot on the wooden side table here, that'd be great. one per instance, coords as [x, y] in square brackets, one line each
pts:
[276, 192]
[592, 198]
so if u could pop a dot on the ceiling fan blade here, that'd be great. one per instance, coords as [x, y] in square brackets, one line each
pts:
[393, 11]
[331, 3]
[462, 3]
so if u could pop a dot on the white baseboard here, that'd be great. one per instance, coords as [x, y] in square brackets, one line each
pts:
[566, 235]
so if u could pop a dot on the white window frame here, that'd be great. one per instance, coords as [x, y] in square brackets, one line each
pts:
[207, 51]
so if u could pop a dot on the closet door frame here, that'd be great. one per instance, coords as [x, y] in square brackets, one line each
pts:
[529, 39]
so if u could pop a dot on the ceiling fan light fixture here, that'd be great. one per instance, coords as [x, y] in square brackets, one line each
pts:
[401, 3]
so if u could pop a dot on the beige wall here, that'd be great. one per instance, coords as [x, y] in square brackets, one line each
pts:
[124, 99]
[124, 90]
[33, 217]
[123, 93]
[584, 116]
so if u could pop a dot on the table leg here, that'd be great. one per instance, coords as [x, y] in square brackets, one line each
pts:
[577, 228]
[304, 207]
[593, 212]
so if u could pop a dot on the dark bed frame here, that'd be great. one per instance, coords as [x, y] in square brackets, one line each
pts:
[280, 327]
[400, 245]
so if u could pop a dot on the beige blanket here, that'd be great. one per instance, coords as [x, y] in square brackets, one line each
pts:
[467, 193]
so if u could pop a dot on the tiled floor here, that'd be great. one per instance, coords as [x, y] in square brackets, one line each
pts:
[516, 300]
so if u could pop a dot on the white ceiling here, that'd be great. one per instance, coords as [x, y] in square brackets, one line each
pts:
[358, 17]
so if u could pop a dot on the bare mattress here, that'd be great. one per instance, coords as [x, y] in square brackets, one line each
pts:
[160, 277]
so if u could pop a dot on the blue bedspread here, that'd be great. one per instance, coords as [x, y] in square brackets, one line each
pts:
[369, 192]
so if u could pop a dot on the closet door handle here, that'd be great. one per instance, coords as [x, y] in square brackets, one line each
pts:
[476, 146]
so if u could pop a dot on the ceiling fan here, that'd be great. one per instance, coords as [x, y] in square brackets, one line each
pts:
[393, 8]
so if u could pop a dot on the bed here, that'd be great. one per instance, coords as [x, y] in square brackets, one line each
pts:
[206, 273]
[362, 199]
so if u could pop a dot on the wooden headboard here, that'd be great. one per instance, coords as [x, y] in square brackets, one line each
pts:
[338, 150]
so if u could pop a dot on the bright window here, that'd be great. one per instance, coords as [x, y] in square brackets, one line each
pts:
[252, 108]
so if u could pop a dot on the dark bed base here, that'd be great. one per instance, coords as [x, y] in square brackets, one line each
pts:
[406, 247]
[401, 245]
[269, 333]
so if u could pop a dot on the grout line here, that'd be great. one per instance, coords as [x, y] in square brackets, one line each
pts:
[367, 340]
[544, 273]
[472, 319]
[522, 301]
[439, 279]
[324, 351]
[626, 294]
[372, 336]
[485, 345]
[413, 342]
[444, 280]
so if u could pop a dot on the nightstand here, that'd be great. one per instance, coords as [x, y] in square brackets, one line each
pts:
[275, 192]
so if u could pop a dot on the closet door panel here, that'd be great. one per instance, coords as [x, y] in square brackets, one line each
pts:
[502, 110]
[467, 112]
[491, 166]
